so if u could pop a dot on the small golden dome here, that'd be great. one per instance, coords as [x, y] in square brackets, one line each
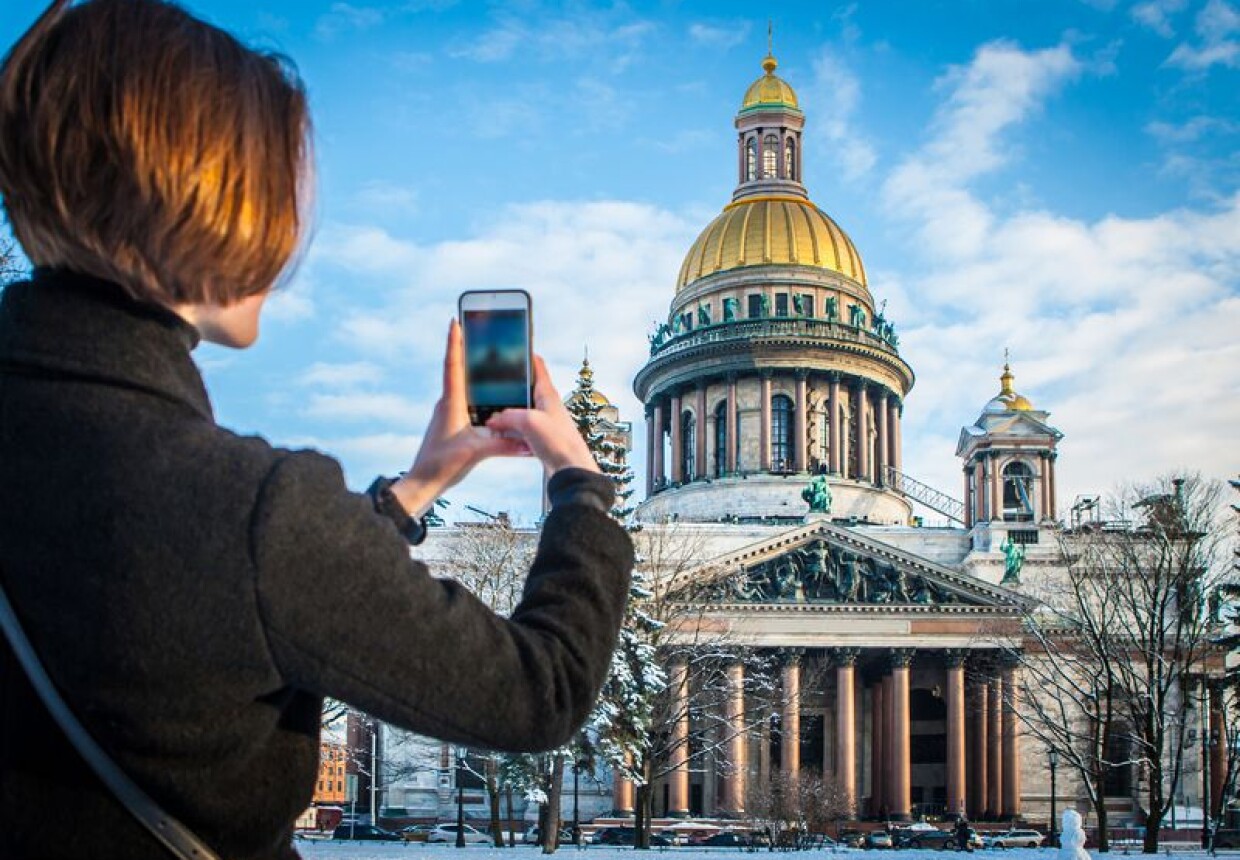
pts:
[761, 231]
[1007, 400]
[770, 90]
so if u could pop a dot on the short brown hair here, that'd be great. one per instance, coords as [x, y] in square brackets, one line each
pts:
[144, 146]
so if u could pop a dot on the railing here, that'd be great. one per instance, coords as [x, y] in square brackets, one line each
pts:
[935, 500]
[771, 327]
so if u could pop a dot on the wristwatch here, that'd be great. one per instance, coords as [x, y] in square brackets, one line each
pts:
[412, 529]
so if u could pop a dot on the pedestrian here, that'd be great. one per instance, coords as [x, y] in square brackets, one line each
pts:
[962, 835]
[195, 594]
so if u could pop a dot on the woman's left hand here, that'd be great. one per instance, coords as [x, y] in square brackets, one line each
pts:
[452, 445]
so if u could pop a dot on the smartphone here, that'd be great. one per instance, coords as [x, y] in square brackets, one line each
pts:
[498, 330]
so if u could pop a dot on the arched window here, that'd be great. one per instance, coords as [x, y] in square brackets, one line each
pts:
[1017, 493]
[721, 439]
[824, 439]
[751, 160]
[770, 155]
[688, 445]
[790, 158]
[782, 430]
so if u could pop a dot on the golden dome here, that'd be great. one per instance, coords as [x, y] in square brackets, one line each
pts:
[770, 90]
[1007, 400]
[760, 231]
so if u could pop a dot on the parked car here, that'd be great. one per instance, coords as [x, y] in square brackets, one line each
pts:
[416, 832]
[932, 837]
[851, 838]
[1227, 839]
[365, 831]
[1015, 839]
[530, 837]
[725, 839]
[876, 839]
[447, 833]
[627, 836]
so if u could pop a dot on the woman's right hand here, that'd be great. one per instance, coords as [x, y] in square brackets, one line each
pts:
[547, 429]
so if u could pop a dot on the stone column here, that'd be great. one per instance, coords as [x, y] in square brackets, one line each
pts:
[878, 776]
[677, 451]
[979, 789]
[861, 431]
[981, 494]
[846, 727]
[798, 450]
[678, 779]
[649, 451]
[968, 497]
[731, 425]
[897, 441]
[734, 786]
[622, 792]
[699, 453]
[901, 783]
[1044, 488]
[658, 443]
[996, 489]
[884, 441]
[888, 790]
[955, 732]
[994, 748]
[833, 438]
[1050, 474]
[764, 433]
[1011, 743]
[790, 744]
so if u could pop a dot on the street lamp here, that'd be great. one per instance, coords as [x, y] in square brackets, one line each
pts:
[576, 812]
[1053, 756]
[460, 797]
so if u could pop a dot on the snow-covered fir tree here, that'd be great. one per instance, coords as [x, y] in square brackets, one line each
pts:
[585, 404]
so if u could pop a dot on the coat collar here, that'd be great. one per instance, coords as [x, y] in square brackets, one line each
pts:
[63, 323]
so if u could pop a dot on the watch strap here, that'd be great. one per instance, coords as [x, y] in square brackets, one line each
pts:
[412, 529]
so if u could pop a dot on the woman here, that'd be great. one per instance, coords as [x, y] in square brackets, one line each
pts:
[194, 594]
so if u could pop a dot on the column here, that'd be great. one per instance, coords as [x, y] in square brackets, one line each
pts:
[897, 441]
[901, 804]
[622, 791]
[846, 727]
[658, 443]
[955, 732]
[699, 453]
[649, 451]
[1044, 487]
[884, 441]
[678, 475]
[861, 431]
[734, 786]
[888, 789]
[798, 450]
[790, 744]
[968, 497]
[678, 779]
[1051, 476]
[978, 787]
[994, 748]
[1011, 744]
[996, 489]
[834, 433]
[731, 427]
[982, 496]
[877, 753]
[764, 432]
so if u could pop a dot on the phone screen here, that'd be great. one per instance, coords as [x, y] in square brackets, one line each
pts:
[497, 353]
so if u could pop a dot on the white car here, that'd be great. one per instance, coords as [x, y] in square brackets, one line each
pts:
[1015, 839]
[447, 833]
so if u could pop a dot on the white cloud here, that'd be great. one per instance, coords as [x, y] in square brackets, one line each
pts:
[1157, 14]
[369, 407]
[1190, 131]
[344, 16]
[1217, 25]
[831, 103]
[386, 197]
[721, 35]
[325, 375]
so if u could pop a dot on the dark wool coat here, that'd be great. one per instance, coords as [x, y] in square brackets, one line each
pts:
[195, 593]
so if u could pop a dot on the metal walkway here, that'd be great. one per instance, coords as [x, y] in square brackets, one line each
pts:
[926, 495]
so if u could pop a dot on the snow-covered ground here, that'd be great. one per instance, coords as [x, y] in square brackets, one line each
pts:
[331, 850]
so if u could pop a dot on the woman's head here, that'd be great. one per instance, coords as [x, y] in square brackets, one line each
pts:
[144, 146]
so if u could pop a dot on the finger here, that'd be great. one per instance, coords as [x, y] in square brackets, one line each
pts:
[454, 366]
[545, 394]
[492, 444]
[511, 421]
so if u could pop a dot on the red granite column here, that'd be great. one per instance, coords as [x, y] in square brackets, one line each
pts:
[878, 776]
[884, 441]
[622, 792]
[790, 746]
[889, 695]
[994, 748]
[901, 783]
[1011, 744]
[734, 786]
[861, 432]
[731, 425]
[955, 732]
[846, 727]
[677, 451]
[979, 792]
[678, 779]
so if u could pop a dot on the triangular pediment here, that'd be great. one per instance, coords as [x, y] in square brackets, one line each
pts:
[824, 564]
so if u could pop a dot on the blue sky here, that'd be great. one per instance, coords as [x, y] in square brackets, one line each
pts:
[1058, 178]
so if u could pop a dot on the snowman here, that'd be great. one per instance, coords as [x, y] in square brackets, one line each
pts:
[1072, 839]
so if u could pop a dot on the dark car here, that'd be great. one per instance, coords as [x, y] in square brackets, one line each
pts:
[627, 836]
[365, 831]
[939, 840]
[726, 839]
[1227, 839]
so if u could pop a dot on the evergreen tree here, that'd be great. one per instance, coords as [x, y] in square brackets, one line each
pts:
[585, 405]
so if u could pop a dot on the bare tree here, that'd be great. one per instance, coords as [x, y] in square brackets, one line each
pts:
[10, 265]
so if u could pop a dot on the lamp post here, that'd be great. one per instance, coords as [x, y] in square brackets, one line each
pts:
[1053, 756]
[576, 811]
[460, 797]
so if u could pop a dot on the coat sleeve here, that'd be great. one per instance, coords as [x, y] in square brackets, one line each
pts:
[349, 614]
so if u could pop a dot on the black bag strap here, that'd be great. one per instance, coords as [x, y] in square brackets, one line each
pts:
[174, 835]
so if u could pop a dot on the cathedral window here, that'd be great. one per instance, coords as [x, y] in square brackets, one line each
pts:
[781, 304]
[721, 439]
[770, 156]
[751, 160]
[1017, 493]
[755, 306]
[782, 429]
[790, 159]
[688, 445]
